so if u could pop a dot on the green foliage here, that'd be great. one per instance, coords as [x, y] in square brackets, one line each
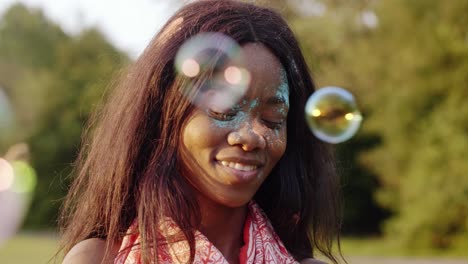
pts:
[409, 74]
[329, 43]
[28, 38]
[423, 162]
[54, 81]
[362, 215]
[27, 45]
[40, 248]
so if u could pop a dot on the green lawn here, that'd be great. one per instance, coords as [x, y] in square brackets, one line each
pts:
[29, 248]
[380, 247]
[39, 248]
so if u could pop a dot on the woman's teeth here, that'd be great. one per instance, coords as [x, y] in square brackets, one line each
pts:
[239, 166]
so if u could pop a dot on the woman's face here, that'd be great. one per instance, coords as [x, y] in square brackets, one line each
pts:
[228, 154]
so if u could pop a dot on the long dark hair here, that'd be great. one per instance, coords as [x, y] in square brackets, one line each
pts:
[127, 169]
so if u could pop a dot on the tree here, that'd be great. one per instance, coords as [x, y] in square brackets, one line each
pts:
[60, 79]
[409, 75]
[27, 45]
[422, 162]
[334, 41]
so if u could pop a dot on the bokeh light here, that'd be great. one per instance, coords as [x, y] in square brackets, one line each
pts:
[190, 68]
[6, 175]
[213, 69]
[17, 183]
[25, 178]
[332, 114]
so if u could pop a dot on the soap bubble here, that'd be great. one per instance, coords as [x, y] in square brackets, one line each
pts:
[25, 178]
[17, 184]
[6, 175]
[214, 71]
[332, 114]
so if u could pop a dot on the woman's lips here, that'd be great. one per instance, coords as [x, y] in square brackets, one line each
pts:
[243, 173]
[238, 166]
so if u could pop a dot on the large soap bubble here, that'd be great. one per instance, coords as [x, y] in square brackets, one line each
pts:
[17, 184]
[214, 68]
[332, 114]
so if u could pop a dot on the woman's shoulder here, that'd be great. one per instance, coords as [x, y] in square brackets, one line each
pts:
[90, 251]
[311, 261]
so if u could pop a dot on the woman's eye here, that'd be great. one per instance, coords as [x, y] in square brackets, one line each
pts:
[273, 125]
[222, 116]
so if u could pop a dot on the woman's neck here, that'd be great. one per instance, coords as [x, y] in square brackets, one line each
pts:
[223, 226]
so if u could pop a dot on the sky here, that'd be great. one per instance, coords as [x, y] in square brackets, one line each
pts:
[131, 24]
[128, 24]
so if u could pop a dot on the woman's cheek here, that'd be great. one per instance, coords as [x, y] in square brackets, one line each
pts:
[277, 140]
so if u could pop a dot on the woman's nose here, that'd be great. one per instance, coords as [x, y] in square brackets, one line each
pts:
[249, 137]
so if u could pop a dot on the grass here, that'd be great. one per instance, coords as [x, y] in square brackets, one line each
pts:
[28, 248]
[352, 246]
[39, 248]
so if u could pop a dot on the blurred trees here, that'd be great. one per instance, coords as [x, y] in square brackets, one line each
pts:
[27, 44]
[405, 61]
[53, 80]
[329, 33]
[407, 64]
[422, 116]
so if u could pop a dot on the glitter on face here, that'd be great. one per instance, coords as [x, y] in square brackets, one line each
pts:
[283, 89]
[253, 130]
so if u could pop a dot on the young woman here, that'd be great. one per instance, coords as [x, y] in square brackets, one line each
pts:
[160, 180]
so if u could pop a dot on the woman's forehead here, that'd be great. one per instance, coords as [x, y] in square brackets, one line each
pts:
[261, 62]
[268, 77]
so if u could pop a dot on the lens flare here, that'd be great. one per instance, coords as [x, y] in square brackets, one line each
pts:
[212, 69]
[332, 114]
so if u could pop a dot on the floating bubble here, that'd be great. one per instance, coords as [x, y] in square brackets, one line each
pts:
[25, 178]
[17, 183]
[332, 114]
[213, 66]
[6, 175]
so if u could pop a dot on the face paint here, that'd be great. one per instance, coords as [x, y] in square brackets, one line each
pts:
[229, 154]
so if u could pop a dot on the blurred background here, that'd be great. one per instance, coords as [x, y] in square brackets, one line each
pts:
[404, 175]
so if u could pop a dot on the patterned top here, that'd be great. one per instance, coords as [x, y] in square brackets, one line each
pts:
[261, 244]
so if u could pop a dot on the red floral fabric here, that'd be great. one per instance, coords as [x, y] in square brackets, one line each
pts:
[261, 244]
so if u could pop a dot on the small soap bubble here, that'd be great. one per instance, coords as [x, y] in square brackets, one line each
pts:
[332, 114]
[213, 66]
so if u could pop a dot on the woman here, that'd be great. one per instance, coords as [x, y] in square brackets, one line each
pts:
[162, 180]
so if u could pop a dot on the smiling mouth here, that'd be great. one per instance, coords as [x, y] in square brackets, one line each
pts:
[238, 166]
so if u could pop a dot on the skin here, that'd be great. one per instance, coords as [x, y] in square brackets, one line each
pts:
[91, 251]
[251, 133]
[254, 133]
